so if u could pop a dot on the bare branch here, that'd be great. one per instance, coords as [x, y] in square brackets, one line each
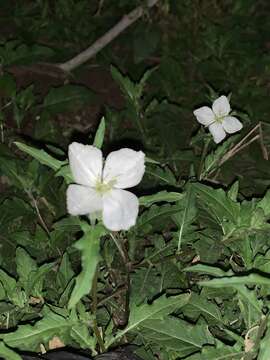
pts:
[108, 37]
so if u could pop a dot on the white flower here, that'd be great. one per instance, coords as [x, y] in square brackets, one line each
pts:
[100, 189]
[218, 119]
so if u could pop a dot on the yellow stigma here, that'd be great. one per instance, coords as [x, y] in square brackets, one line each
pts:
[219, 119]
[102, 187]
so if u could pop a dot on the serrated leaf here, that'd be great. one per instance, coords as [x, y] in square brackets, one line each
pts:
[217, 203]
[157, 310]
[219, 352]
[202, 306]
[29, 338]
[176, 329]
[89, 247]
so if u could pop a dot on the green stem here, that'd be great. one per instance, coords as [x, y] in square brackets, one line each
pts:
[125, 259]
[204, 152]
[123, 256]
[94, 311]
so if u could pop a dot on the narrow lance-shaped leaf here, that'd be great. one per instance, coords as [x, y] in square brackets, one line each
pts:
[99, 137]
[187, 214]
[162, 196]
[89, 247]
[41, 155]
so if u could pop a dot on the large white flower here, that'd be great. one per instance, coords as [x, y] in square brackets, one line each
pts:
[100, 189]
[218, 119]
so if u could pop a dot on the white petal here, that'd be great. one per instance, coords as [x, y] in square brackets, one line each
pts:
[85, 163]
[217, 131]
[120, 209]
[82, 200]
[125, 166]
[221, 106]
[231, 124]
[204, 115]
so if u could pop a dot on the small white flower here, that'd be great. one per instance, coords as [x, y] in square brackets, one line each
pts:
[218, 119]
[100, 189]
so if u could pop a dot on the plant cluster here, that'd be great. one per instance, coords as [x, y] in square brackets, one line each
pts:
[147, 232]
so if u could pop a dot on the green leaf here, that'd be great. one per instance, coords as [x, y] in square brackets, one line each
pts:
[80, 333]
[251, 279]
[35, 283]
[161, 175]
[25, 265]
[206, 269]
[29, 338]
[65, 272]
[155, 213]
[127, 86]
[99, 137]
[233, 192]
[186, 216]
[264, 203]
[8, 282]
[200, 305]
[66, 98]
[219, 352]
[14, 170]
[160, 197]
[212, 160]
[7, 353]
[195, 336]
[264, 344]
[157, 310]
[65, 172]
[217, 203]
[89, 247]
[41, 155]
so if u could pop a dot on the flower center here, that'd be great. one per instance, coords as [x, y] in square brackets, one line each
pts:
[102, 187]
[219, 118]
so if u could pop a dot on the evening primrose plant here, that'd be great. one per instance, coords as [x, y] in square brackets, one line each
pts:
[180, 269]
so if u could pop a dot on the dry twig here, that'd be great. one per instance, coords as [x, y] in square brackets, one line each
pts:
[99, 44]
